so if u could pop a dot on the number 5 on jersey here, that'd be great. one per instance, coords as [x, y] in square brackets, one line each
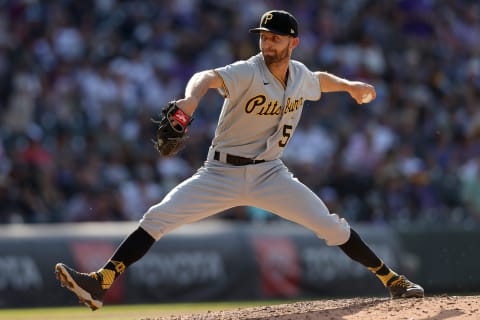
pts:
[287, 133]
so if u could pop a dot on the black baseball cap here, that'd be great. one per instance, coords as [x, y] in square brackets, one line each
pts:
[279, 22]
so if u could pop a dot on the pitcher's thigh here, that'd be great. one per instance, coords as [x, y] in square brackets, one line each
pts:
[196, 198]
[292, 200]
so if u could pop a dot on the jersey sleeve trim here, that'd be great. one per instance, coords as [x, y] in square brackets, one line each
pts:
[223, 90]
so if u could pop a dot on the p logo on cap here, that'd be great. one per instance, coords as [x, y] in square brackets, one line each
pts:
[267, 17]
[279, 22]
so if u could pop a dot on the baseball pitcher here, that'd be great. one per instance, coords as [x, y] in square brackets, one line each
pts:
[263, 101]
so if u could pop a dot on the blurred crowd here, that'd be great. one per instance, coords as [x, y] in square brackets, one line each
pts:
[80, 81]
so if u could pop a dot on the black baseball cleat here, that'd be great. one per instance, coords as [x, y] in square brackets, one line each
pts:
[401, 287]
[87, 286]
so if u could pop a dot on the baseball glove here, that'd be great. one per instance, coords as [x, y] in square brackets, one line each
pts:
[171, 131]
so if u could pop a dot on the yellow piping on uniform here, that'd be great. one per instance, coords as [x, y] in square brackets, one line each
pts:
[225, 92]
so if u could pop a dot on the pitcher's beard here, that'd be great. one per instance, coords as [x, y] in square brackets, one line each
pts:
[279, 57]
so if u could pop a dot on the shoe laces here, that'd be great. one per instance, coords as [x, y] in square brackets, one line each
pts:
[401, 282]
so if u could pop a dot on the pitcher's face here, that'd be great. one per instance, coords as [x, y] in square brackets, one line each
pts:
[276, 48]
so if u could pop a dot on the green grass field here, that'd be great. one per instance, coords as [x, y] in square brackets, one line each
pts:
[121, 312]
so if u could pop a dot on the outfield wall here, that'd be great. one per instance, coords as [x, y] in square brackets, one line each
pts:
[217, 260]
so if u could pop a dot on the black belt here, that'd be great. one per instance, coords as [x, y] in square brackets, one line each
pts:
[236, 160]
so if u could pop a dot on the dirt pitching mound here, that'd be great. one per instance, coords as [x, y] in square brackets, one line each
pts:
[429, 308]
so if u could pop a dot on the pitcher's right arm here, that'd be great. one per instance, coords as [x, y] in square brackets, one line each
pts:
[197, 87]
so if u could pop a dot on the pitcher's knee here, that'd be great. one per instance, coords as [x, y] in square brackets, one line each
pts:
[158, 223]
[336, 232]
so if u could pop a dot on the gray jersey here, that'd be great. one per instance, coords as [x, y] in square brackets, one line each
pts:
[259, 114]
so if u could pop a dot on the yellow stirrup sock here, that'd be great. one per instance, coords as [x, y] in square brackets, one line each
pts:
[383, 273]
[110, 272]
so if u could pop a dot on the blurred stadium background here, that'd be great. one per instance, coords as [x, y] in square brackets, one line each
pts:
[80, 80]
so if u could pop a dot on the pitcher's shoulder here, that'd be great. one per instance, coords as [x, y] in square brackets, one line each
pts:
[298, 65]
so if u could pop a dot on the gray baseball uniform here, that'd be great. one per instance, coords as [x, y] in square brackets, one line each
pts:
[258, 117]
